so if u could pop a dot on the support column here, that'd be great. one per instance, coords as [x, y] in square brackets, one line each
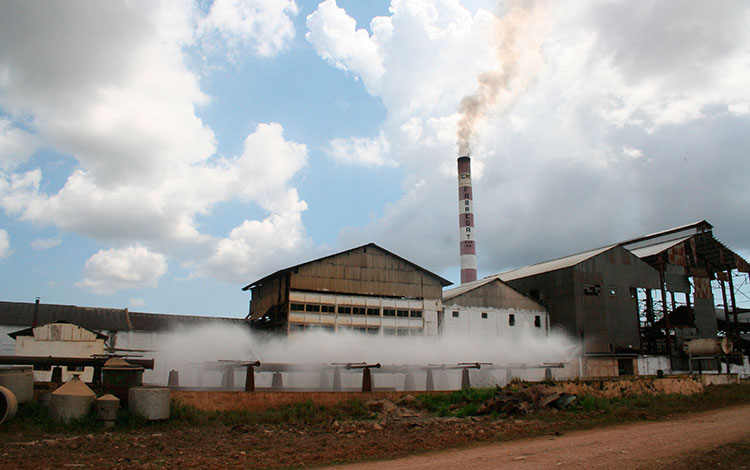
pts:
[337, 380]
[651, 320]
[465, 382]
[366, 380]
[174, 378]
[277, 382]
[662, 278]
[734, 308]
[250, 379]
[430, 382]
[727, 323]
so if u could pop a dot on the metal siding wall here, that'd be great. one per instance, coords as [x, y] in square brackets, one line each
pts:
[371, 273]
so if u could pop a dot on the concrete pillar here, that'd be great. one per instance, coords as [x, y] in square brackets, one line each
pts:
[465, 382]
[430, 382]
[337, 380]
[277, 382]
[409, 381]
[228, 378]
[174, 378]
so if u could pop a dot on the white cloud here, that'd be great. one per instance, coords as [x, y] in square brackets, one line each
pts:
[362, 151]
[16, 145]
[46, 243]
[256, 248]
[4, 244]
[126, 110]
[264, 26]
[335, 36]
[133, 267]
[136, 302]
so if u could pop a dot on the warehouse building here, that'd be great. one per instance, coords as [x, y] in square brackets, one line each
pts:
[634, 304]
[366, 289]
[490, 307]
[591, 296]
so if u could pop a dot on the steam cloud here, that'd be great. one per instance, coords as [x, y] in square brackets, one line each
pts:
[187, 349]
[517, 36]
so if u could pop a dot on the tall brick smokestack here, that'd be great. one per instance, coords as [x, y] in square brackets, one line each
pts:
[466, 222]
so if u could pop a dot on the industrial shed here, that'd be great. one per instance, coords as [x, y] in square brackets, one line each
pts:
[592, 297]
[688, 258]
[647, 296]
[490, 307]
[365, 289]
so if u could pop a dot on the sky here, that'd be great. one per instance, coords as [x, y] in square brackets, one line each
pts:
[159, 156]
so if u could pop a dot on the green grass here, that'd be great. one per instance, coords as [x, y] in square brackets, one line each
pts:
[460, 403]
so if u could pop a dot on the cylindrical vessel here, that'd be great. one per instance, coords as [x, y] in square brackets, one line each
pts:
[8, 404]
[19, 380]
[72, 400]
[106, 409]
[707, 346]
[466, 240]
[118, 376]
[150, 402]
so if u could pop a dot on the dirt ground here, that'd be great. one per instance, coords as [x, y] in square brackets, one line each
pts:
[626, 447]
[633, 446]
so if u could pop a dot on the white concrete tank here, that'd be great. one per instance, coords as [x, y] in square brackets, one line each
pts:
[150, 402]
[72, 400]
[19, 380]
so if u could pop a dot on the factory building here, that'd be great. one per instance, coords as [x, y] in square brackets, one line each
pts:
[688, 258]
[366, 289]
[490, 307]
[636, 302]
[591, 296]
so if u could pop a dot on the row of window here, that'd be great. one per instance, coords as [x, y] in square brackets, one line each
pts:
[373, 330]
[511, 318]
[354, 310]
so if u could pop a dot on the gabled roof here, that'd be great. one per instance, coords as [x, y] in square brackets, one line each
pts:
[668, 234]
[98, 319]
[715, 252]
[552, 265]
[466, 287]
[30, 331]
[703, 245]
[443, 282]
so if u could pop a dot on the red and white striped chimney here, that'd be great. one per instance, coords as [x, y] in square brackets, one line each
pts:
[466, 222]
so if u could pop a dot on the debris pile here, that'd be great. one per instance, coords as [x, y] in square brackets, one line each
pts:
[512, 402]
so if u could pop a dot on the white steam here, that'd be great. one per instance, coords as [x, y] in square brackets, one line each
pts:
[517, 37]
[186, 351]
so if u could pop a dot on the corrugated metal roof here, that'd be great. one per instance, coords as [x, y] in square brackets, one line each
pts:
[98, 319]
[466, 287]
[443, 282]
[552, 265]
[655, 249]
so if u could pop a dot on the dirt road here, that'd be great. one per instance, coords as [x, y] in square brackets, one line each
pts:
[632, 446]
